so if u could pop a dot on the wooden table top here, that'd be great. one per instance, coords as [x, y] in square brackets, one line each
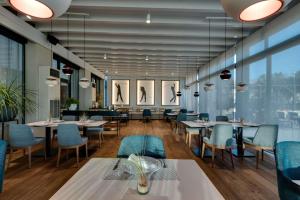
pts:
[89, 183]
[88, 123]
[201, 124]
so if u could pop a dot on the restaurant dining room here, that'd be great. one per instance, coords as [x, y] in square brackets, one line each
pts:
[149, 100]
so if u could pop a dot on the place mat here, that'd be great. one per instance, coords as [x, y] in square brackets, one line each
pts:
[167, 172]
[133, 195]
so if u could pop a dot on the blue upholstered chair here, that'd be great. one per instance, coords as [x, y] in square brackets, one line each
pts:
[220, 138]
[96, 131]
[68, 137]
[147, 114]
[144, 145]
[222, 118]
[21, 137]
[287, 157]
[264, 139]
[204, 116]
[176, 123]
[183, 110]
[2, 162]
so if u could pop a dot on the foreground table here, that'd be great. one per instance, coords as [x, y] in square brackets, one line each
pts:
[50, 125]
[89, 183]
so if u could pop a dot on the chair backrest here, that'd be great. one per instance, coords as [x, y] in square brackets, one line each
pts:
[68, 135]
[167, 111]
[204, 116]
[222, 119]
[190, 111]
[181, 117]
[96, 118]
[3, 146]
[146, 112]
[69, 118]
[183, 110]
[20, 135]
[287, 156]
[221, 135]
[266, 135]
[191, 117]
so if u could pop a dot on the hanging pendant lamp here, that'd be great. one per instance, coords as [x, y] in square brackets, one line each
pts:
[208, 86]
[42, 9]
[84, 82]
[225, 74]
[196, 94]
[251, 10]
[241, 86]
[67, 68]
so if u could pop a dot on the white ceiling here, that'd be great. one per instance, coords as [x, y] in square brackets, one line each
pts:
[176, 41]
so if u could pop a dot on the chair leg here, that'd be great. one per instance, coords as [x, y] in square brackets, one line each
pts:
[67, 154]
[262, 154]
[186, 137]
[231, 158]
[190, 140]
[29, 157]
[10, 157]
[86, 151]
[102, 136]
[58, 156]
[222, 154]
[77, 156]
[99, 140]
[203, 150]
[213, 156]
[257, 158]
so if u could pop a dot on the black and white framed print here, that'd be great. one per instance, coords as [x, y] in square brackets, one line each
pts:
[145, 92]
[168, 93]
[120, 92]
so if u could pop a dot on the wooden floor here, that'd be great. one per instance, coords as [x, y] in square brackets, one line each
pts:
[44, 179]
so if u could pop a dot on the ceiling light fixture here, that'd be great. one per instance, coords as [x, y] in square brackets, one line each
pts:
[208, 86]
[225, 74]
[43, 9]
[105, 56]
[84, 82]
[251, 10]
[148, 18]
[67, 68]
[147, 58]
[241, 86]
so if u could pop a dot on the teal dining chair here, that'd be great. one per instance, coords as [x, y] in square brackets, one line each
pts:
[222, 118]
[204, 116]
[220, 138]
[189, 132]
[68, 137]
[3, 147]
[21, 137]
[176, 123]
[287, 156]
[95, 131]
[147, 115]
[265, 139]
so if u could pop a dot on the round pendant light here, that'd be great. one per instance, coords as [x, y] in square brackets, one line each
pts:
[251, 10]
[241, 87]
[51, 81]
[179, 94]
[84, 82]
[196, 94]
[43, 9]
[225, 74]
[67, 70]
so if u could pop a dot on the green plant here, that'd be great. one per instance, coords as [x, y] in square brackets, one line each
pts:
[71, 101]
[14, 100]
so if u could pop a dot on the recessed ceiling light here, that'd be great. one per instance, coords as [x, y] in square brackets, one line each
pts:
[147, 58]
[148, 18]
[43, 9]
[105, 56]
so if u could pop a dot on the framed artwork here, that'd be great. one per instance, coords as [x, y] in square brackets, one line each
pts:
[145, 92]
[120, 92]
[168, 93]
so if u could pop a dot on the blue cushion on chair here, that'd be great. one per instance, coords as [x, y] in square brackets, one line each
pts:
[145, 145]
[2, 162]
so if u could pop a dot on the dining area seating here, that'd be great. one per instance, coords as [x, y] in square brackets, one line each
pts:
[3, 147]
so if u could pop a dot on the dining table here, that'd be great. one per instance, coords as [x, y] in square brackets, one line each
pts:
[100, 179]
[237, 152]
[53, 124]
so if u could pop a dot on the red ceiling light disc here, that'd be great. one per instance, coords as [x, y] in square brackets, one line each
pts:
[261, 10]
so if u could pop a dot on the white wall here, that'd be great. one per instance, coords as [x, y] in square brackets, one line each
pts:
[157, 87]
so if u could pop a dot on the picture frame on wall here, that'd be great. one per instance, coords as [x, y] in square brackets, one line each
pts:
[120, 92]
[145, 93]
[168, 93]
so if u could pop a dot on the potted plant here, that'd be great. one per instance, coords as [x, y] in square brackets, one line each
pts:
[14, 100]
[72, 104]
